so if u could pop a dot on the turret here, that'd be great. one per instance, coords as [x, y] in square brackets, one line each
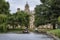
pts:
[27, 10]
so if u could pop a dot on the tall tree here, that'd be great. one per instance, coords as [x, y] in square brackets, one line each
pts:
[20, 18]
[3, 22]
[49, 10]
[4, 7]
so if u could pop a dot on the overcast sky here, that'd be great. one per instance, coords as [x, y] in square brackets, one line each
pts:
[14, 4]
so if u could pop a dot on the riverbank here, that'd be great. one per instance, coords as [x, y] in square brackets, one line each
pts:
[54, 33]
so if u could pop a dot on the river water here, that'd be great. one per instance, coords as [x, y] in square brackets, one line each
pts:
[30, 36]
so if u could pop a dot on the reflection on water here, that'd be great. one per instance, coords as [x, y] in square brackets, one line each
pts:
[31, 36]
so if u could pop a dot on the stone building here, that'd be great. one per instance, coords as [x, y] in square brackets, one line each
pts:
[27, 10]
[31, 13]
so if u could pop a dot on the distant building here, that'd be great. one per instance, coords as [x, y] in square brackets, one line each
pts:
[31, 13]
[27, 10]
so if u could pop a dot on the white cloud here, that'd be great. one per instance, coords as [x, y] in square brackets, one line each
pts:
[14, 4]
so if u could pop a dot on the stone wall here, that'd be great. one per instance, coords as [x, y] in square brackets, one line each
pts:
[47, 26]
[32, 21]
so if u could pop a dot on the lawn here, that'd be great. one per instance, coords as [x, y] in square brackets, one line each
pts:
[55, 32]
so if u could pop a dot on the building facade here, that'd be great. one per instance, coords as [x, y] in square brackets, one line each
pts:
[27, 10]
[31, 13]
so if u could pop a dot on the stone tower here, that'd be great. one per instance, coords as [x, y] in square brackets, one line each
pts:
[27, 10]
[31, 13]
[32, 19]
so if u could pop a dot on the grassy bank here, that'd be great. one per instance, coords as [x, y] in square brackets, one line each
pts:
[12, 30]
[55, 32]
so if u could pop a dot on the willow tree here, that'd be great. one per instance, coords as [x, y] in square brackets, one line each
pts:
[4, 12]
[3, 22]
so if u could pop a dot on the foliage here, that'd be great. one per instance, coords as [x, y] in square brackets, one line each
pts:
[3, 22]
[47, 12]
[55, 32]
[20, 18]
[59, 20]
[4, 14]
[4, 7]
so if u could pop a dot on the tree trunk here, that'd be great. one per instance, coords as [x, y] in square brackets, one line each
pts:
[54, 27]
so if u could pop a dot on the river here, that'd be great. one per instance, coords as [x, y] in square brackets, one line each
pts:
[30, 36]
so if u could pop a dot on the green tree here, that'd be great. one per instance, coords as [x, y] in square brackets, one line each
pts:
[48, 11]
[4, 7]
[20, 18]
[4, 14]
[3, 22]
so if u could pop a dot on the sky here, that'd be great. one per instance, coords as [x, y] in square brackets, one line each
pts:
[14, 4]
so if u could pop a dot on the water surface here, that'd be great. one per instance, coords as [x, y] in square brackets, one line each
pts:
[30, 36]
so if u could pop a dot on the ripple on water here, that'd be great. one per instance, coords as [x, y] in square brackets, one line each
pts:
[31, 36]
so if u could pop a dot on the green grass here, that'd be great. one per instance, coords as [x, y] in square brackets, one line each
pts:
[55, 32]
